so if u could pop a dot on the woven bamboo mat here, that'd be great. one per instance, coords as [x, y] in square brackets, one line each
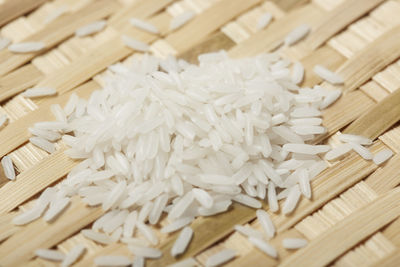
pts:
[352, 219]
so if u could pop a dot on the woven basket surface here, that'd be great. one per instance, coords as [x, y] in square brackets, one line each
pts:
[352, 219]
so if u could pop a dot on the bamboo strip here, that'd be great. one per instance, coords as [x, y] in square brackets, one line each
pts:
[15, 250]
[215, 42]
[207, 22]
[16, 133]
[12, 9]
[328, 185]
[330, 58]
[376, 56]
[19, 80]
[372, 124]
[347, 233]
[367, 253]
[288, 5]
[392, 260]
[141, 8]
[272, 37]
[392, 232]
[344, 111]
[337, 19]
[353, 199]
[34, 180]
[57, 31]
[385, 178]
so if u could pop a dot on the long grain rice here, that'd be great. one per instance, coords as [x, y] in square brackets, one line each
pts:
[220, 257]
[382, 156]
[28, 47]
[8, 167]
[91, 28]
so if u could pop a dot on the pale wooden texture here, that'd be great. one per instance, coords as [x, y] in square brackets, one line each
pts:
[12, 9]
[355, 203]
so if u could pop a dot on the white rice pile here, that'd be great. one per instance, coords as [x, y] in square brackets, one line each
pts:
[91, 28]
[164, 136]
[27, 47]
[181, 20]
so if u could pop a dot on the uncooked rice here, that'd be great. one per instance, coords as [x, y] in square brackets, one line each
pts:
[382, 156]
[294, 243]
[73, 255]
[3, 120]
[264, 20]
[264, 246]
[247, 231]
[355, 139]
[266, 223]
[221, 257]
[43, 144]
[181, 19]
[297, 34]
[143, 25]
[91, 28]
[338, 151]
[361, 150]
[328, 75]
[182, 241]
[39, 92]
[146, 252]
[134, 44]
[27, 47]
[4, 42]
[138, 262]
[56, 14]
[112, 261]
[50, 254]
[225, 130]
[8, 167]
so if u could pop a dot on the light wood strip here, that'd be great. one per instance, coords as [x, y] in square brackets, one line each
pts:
[142, 9]
[272, 37]
[369, 61]
[215, 42]
[57, 31]
[40, 234]
[337, 19]
[331, 59]
[392, 232]
[392, 260]
[288, 5]
[12, 9]
[32, 181]
[19, 80]
[16, 133]
[348, 232]
[387, 177]
[348, 108]
[209, 21]
[372, 123]
[327, 186]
